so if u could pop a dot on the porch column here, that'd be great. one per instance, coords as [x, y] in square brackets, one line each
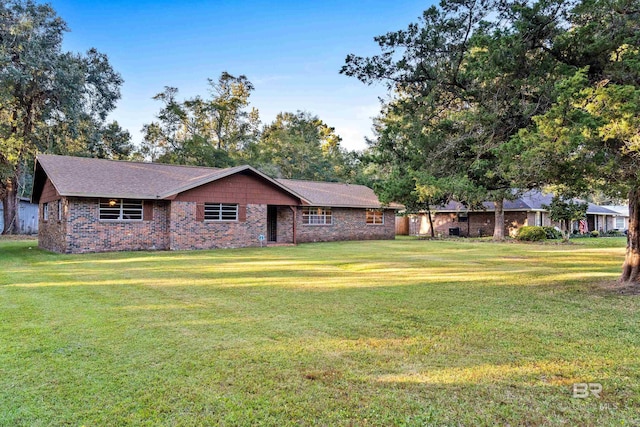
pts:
[293, 210]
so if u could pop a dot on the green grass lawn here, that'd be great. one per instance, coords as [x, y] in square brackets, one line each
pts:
[405, 332]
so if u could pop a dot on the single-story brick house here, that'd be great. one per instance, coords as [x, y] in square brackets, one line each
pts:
[528, 209]
[95, 205]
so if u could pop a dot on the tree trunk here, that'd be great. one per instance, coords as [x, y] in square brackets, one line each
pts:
[566, 233]
[10, 203]
[498, 229]
[433, 233]
[631, 266]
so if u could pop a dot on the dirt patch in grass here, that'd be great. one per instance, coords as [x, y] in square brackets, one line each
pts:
[619, 288]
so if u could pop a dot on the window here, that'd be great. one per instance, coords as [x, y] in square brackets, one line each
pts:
[620, 222]
[220, 212]
[45, 211]
[317, 216]
[463, 217]
[59, 210]
[121, 209]
[375, 216]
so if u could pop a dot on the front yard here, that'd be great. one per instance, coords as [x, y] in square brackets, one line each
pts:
[403, 332]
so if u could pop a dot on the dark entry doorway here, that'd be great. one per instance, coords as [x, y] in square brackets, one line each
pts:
[272, 223]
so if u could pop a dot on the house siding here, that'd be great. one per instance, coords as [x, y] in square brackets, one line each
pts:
[186, 233]
[348, 224]
[243, 189]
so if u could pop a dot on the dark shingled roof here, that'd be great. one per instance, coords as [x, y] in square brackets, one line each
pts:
[529, 201]
[335, 194]
[88, 177]
[81, 176]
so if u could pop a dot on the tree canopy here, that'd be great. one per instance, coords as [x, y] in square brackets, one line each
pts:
[50, 100]
[464, 80]
[489, 97]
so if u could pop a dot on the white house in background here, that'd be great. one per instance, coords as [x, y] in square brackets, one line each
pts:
[28, 214]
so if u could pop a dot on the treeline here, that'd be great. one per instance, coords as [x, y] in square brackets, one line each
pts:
[57, 102]
[223, 130]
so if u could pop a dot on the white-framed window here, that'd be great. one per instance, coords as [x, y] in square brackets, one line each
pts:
[220, 211]
[120, 210]
[45, 211]
[60, 207]
[375, 217]
[620, 222]
[316, 216]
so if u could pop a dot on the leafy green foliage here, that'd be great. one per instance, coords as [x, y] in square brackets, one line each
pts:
[552, 233]
[531, 233]
[566, 210]
[50, 100]
[300, 146]
[222, 131]
[464, 81]
[203, 131]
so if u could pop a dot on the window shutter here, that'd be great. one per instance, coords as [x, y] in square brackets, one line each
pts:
[242, 213]
[147, 211]
[200, 212]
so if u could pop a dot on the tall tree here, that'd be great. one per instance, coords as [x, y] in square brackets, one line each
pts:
[590, 137]
[463, 82]
[206, 131]
[300, 146]
[43, 88]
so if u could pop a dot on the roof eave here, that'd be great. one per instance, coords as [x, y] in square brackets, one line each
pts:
[111, 196]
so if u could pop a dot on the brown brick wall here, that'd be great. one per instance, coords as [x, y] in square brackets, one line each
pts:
[186, 233]
[86, 233]
[285, 225]
[52, 233]
[348, 224]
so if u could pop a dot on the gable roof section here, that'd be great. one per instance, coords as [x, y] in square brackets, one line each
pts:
[88, 177]
[335, 194]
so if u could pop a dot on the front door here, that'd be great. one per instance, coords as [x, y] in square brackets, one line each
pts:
[272, 223]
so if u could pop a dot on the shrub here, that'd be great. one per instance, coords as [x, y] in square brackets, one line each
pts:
[594, 233]
[552, 233]
[531, 233]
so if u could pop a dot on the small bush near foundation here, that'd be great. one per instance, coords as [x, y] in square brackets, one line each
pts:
[552, 233]
[595, 233]
[531, 233]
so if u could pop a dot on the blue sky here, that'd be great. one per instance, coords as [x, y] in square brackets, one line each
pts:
[291, 51]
